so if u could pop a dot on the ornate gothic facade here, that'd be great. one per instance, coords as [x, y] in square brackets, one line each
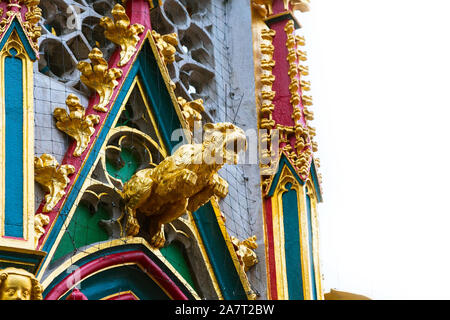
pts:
[157, 150]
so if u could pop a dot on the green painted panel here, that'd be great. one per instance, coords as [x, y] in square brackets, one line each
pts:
[130, 165]
[83, 230]
[176, 255]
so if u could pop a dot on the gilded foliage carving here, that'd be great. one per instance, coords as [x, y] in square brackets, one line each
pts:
[122, 32]
[166, 45]
[76, 124]
[53, 178]
[192, 112]
[99, 77]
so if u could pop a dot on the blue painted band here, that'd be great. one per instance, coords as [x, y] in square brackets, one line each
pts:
[13, 146]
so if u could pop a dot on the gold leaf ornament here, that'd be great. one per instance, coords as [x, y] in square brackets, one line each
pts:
[53, 178]
[97, 76]
[122, 32]
[166, 45]
[76, 124]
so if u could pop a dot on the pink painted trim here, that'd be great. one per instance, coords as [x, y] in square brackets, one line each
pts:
[117, 259]
[123, 296]
[14, 238]
[139, 12]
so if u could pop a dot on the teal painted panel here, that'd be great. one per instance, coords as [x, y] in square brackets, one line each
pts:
[219, 256]
[176, 254]
[13, 146]
[292, 244]
[310, 244]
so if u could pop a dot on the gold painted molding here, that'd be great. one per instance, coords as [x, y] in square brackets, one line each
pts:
[76, 124]
[121, 32]
[53, 177]
[97, 76]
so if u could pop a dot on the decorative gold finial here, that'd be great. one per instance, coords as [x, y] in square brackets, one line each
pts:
[98, 77]
[53, 177]
[121, 32]
[19, 284]
[166, 45]
[76, 124]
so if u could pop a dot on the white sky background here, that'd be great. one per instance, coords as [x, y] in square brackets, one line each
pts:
[380, 74]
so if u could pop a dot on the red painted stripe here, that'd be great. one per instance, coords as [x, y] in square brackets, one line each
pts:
[117, 259]
[271, 250]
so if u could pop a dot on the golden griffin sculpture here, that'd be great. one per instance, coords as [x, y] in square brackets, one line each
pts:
[182, 182]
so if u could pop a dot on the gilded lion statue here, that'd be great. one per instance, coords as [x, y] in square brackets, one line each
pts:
[182, 182]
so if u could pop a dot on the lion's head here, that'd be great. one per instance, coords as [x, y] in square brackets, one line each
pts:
[223, 142]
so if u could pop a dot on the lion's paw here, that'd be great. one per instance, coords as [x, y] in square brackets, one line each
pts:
[132, 226]
[221, 190]
[190, 177]
[158, 240]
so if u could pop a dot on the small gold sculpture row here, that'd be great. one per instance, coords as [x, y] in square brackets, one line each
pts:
[267, 95]
[263, 7]
[19, 284]
[54, 179]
